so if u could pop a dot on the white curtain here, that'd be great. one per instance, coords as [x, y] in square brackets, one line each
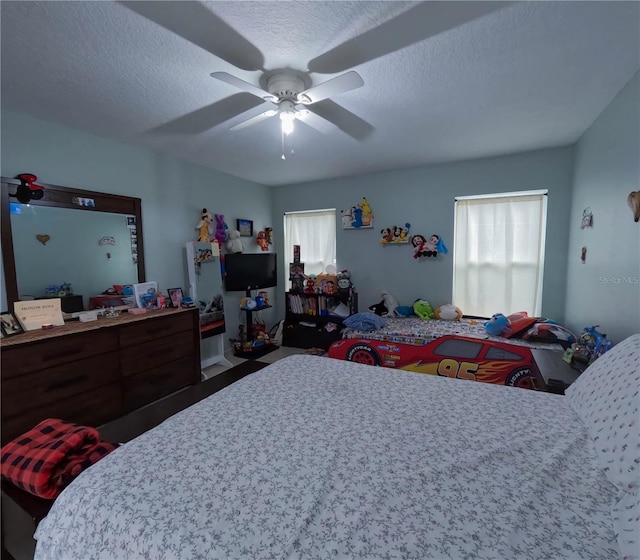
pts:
[315, 232]
[499, 253]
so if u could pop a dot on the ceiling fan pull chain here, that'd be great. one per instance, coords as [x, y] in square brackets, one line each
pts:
[282, 136]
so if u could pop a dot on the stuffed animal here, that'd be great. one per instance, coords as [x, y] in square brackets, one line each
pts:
[269, 232]
[448, 312]
[234, 244]
[261, 239]
[221, 228]
[379, 308]
[498, 325]
[203, 225]
[422, 308]
[633, 200]
[390, 302]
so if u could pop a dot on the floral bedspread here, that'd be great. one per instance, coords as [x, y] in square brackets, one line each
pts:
[418, 332]
[313, 458]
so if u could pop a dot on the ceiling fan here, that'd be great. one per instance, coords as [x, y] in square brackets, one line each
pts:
[287, 92]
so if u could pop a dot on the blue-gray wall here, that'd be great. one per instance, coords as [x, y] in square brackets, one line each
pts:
[605, 290]
[424, 197]
[173, 192]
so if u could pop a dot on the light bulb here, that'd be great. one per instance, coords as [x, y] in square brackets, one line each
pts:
[287, 119]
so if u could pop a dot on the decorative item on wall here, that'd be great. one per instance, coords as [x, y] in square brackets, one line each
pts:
[133, 232]
[221, 228]
[43, 238]
[427, 247]
[245, 227]
[395, 235]
[633, 200]
[587, 218]
[269, 232]
[357, 217]
[107, 240]
[28, 190]
[204, 225]
[583, 255]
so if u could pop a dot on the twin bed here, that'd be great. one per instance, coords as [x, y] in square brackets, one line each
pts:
[319, 458]
[459, 349]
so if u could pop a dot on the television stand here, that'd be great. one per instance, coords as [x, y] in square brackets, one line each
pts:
[253, 348]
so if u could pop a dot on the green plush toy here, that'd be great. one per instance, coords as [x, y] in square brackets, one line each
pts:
[422, 308]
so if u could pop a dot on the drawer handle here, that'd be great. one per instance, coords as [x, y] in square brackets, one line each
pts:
[63, 353]
[67, 382]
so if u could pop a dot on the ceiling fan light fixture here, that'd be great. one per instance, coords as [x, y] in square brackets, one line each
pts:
[287, 118]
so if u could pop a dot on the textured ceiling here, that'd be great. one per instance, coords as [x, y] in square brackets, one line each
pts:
[443, 81]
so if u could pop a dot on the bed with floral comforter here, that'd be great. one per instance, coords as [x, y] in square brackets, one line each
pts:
[314, 458]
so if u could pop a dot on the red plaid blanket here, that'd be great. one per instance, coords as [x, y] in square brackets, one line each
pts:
[44, 460]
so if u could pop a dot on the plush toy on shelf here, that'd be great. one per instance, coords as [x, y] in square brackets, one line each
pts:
[203, 225]
[234, 244]
[221, 228]
[261, 240]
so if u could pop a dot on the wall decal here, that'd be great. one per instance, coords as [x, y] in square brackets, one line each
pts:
[107, 240]
[587, 218]
[43, 238]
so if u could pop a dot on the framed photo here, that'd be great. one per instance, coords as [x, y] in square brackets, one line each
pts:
[245, 227]
[9, 324]
[175, 296]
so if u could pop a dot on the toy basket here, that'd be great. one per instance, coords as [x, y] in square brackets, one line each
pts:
[206, 318]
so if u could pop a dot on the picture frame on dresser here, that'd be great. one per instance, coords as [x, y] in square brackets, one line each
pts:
[9, 324]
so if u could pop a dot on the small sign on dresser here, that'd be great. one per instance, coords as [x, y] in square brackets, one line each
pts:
[35, 314]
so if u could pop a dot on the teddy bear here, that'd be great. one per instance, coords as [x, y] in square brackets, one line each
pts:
[261, 240]
[234, 243]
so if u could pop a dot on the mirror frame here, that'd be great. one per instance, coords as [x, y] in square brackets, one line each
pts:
[61, 197]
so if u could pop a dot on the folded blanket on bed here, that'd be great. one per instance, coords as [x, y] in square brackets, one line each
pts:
[365, 321]
[44, 460]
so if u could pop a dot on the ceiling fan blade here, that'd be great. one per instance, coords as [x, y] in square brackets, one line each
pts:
[212, 115]
[195, 23]
[254, 120]
[246, 86]
[416, 24]
[345, 120]
[334, 86]
[315, 121]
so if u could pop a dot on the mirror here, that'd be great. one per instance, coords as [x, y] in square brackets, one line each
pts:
[69, 240]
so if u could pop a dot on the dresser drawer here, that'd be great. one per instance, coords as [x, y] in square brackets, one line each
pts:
[156, 352]
[92, 408]
[142, 331]
[22, 359]
[40, 388]
[153, 384]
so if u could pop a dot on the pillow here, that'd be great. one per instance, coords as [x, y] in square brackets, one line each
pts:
[606, 397]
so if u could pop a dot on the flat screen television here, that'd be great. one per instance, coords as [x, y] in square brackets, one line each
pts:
[250, 271]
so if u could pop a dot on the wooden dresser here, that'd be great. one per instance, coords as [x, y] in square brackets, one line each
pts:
[91, 373]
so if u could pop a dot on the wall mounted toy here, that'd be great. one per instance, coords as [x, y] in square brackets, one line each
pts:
[234, 243]
[203, 225]
[43, 238]
[395, 235]
[28, 190]
[269, 232]
[587, 218]
[633, 200]
[358, 217]
[427, 247]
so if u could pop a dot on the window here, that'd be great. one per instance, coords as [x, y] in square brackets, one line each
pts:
[458, 349]
[495, 353]
[315, 232]
[498, 253]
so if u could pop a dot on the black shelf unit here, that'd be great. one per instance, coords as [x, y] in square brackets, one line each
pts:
[255, 351]
[305, 324]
